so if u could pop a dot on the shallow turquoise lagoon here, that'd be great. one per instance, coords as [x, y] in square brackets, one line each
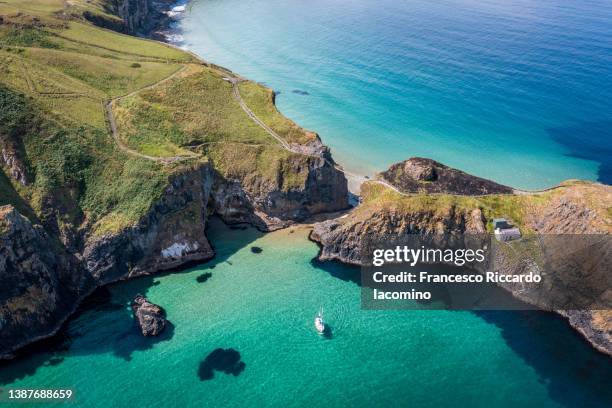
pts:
[262, 305]
[514, 90]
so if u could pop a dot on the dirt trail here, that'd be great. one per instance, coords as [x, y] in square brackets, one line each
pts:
[108, 107]
[235, 80]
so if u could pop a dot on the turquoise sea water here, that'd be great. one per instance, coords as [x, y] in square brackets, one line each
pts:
[262, 305]
[519, 91]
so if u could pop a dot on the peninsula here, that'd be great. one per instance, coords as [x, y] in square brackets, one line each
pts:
[116, 149]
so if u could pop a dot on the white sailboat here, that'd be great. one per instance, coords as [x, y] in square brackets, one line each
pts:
[319, 323]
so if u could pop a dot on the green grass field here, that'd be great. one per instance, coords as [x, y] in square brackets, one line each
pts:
[193, 108]
[261, 101]
[58, 70]
[520, 209]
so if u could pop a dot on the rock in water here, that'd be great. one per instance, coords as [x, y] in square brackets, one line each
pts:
[151, 318]
[420, 175]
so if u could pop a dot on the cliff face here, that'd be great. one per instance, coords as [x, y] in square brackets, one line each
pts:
[268, 204]
[172, 233]
[48, 279]
[581, 266]
[135, 14]
[39, 283]
[348, 239]
[128, 16]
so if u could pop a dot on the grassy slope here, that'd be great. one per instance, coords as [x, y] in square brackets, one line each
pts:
[60, 86]
[196, 111]
[520, 209]
[57, 70]
[261, 102]
[193, 108]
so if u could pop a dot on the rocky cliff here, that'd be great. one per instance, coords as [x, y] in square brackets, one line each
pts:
[135, 13]
[82, 207]
[40, 282]
[48, 280]
[170, 234]
[129, 16]
[275, 202]
[428, 176]
[581, 266]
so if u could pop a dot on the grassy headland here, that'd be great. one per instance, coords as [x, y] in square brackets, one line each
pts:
[58, 71]
[522, 209]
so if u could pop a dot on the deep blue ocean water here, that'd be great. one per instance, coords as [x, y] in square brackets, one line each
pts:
[518, 91]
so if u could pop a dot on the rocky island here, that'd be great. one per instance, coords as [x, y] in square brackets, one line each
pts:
[426, 203]
[421, 175]
[150, 317]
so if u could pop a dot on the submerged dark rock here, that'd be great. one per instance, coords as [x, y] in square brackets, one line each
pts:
[150, 317]
[204, 277]
[224, 360]
[300, 92]
[256, 250]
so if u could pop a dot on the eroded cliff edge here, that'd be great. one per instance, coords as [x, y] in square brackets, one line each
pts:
[82, 206]
[47, 279]
[428, 208]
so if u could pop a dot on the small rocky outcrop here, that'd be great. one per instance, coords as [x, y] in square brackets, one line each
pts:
[10, 155]
[428, 176]
[150, 317]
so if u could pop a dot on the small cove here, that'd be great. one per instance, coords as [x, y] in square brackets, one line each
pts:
[261, 306]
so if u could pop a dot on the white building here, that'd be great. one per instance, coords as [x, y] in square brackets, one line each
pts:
[504, 231]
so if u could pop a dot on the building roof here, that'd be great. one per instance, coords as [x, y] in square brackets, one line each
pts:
[509, 231]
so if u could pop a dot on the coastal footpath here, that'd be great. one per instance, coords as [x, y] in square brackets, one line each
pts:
[114, 152]
[437, 201]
